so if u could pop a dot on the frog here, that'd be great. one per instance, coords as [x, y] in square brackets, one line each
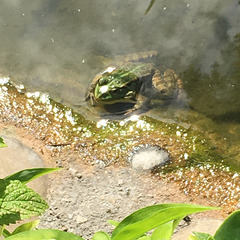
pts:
[131, 85]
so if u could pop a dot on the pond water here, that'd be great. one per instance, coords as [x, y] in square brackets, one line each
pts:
[57, 46]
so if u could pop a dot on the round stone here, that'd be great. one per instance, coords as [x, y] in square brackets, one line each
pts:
[147, 158]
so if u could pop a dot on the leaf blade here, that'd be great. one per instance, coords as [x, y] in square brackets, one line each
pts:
[149, 6]
[101, 236]
[113, 222]
[151, 217]
[165, 231]
[18, 202]
[2, 143]
[230, 228]
[26, 227]
[46, 234]
[30, 174]
[200, 236]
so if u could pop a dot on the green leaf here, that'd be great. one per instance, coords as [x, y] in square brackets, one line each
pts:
[165, 231]
[200, 236]
[1, 230]
[26, 227]
[18, 202]
[6, 233]
[149, 6]
[101, 236]
[151, 217]
[114, 223]
[145, 238]
[230, 228]
[2, 144]
[45, 234]
[28, 175]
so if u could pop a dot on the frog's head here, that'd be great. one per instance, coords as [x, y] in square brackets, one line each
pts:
[116, 86]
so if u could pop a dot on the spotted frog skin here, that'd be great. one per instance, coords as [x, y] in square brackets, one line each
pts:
[133, 83]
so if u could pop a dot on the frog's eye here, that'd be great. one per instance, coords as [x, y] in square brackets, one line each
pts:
[102, 81]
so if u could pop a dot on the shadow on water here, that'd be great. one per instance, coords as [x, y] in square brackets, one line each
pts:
[217, 94]
[228, 117]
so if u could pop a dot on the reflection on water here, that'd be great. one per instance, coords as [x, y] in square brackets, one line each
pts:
[52, 45]
[216, 93]
[57, 46]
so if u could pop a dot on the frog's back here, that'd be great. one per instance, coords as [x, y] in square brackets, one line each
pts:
[135, 57]
[140, 64]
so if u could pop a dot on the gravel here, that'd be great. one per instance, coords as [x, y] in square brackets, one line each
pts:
[82, 200]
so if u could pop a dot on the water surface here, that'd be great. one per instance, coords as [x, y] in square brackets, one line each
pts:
[58, 46]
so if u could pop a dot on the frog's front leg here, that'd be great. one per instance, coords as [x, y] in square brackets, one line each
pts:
[141, 104]
[90, 93]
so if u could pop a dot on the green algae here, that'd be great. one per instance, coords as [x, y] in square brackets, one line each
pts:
[196, 162]
[58, 124]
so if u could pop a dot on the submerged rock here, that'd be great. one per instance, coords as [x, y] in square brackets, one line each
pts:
[146, 158]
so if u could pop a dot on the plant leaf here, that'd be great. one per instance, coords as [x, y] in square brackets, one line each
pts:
[1, 230]
[46, 234]
[28, 175]
[6, 233]
[165, 231]
[149, 6]
[2, 143]
[114, 223]
[18, 202]
[201, 236]
[101, 236]
[230, 228]
[151, 217]
[26, 227]
[145, 238]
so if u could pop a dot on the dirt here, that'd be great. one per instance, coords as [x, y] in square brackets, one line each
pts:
[82, 197]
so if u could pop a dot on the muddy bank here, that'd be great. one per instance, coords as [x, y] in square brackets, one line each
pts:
[69, 138]
[82, 197]
[87, 197]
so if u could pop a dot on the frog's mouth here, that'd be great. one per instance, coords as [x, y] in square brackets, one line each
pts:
[119, 95]
[119, 108]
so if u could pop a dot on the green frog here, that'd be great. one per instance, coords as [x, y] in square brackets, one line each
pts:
[132, 84]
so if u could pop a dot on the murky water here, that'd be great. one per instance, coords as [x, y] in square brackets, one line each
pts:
[57, 46]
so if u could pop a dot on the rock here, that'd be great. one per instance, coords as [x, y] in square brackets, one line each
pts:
[147, 158]
[17, 156]
[81, 219]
